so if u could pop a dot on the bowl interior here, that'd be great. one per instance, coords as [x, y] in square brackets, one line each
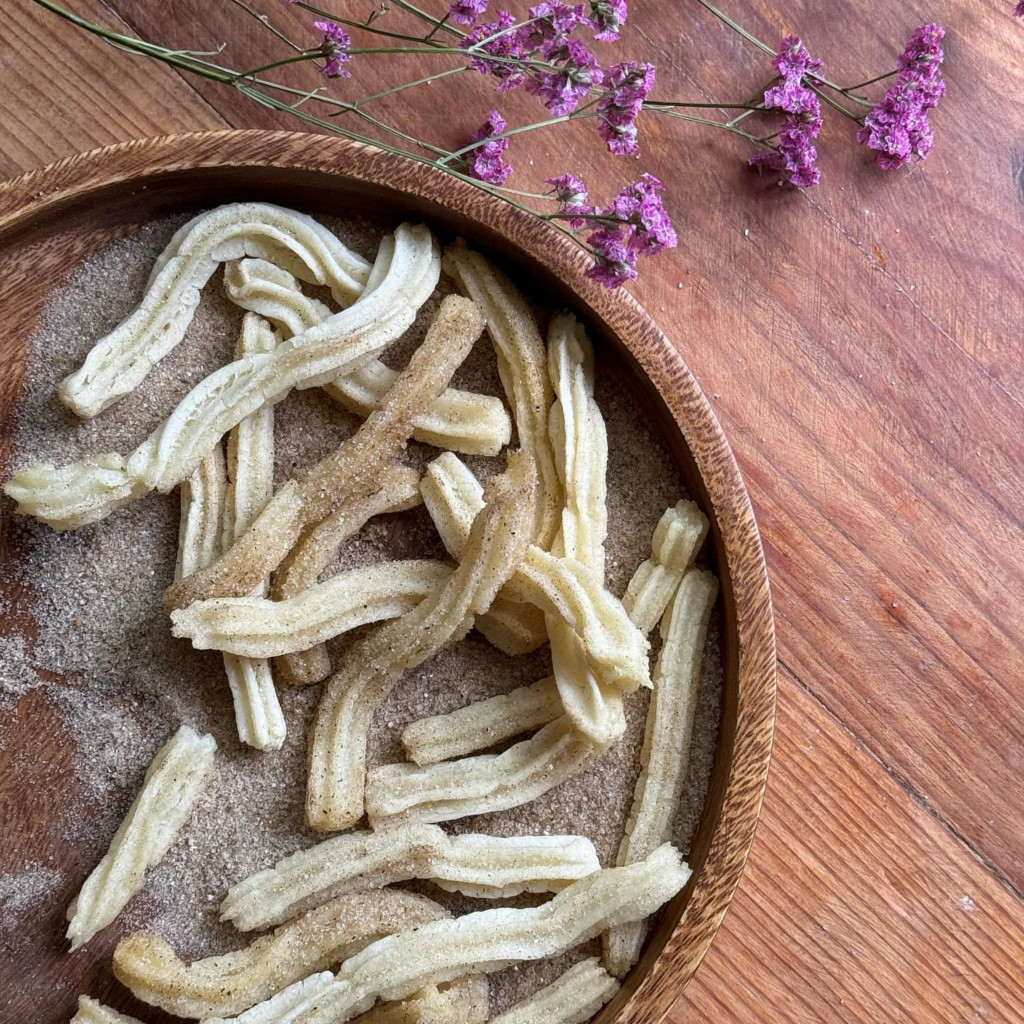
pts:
[39, 247]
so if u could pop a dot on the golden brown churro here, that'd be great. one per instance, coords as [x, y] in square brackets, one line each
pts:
[228, 984]
[354, 469]
[334, 797]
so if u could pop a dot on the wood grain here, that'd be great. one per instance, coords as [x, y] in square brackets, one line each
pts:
[59, 96]
[857, 904]
[48, 217]
[905, 492]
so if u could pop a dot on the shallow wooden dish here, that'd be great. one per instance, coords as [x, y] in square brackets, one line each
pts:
[52, 218]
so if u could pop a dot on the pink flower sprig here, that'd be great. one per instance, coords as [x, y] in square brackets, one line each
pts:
[486, 162]
[794, 158]
[634, 224]
[899, 128]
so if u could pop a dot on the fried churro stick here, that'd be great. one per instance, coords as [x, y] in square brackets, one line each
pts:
[562, 587]
[75, 495]
[463, 1001]
[522, 366]
[460, 420]
[400, 489]
[481, 784]
[666, 751]
[482, 724]
[173, 783]
[677, 539]
[488, 867]
[228, 984]
[92, 488]
[334, 797]
[353, 470]
[203, 497]
[581, 456]
[119, 362]
[258, 715]
[91, 1011]
[488, 940]
[453, 496]
[356, 465]
[255, 627]
[572, 998]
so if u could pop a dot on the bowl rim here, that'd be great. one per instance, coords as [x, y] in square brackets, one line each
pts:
[43, 192]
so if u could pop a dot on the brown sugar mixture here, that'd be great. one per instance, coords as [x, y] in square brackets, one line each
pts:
[89, 669]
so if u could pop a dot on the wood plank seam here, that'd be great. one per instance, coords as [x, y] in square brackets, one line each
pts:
[178, 73]
[903, 782]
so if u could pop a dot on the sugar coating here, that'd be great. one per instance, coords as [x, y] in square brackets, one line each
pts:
[88, 590]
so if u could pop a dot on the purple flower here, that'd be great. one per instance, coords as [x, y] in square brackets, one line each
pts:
[507, 46]
[793, 60]
[577, 70]
[486, 162]
[796, 153]
[1018, 11]
[572, 197]
[466, 12]
[640, 206]
[923, 54]
[614, 261]
[898, 128]
[552, 22]
[335, 47]
[608, 17]
[626, 85]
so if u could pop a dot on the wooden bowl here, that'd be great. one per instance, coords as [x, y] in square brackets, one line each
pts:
[52, 218]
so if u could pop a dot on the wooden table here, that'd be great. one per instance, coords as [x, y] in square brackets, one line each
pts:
[862, 344]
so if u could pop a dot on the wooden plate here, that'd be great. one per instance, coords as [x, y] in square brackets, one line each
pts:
[52, 218]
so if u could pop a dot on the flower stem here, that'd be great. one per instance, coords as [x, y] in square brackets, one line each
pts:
[400, 88]
[305, 55]
[441, 24]
[735, 26]
[264, 20]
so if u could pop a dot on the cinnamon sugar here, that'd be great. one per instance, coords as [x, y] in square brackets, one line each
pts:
[102, 652]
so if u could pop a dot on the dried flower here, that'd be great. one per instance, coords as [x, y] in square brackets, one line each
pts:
[486, 161]
[627, 85]
[334, 47]
[796, 153]
[552, 22]
[614, 261]
[898, 128]
[635, 224]
[563, 89]
[793, 60]
[608, 17]
[506, 46]
[466, 12]
[573, 199]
